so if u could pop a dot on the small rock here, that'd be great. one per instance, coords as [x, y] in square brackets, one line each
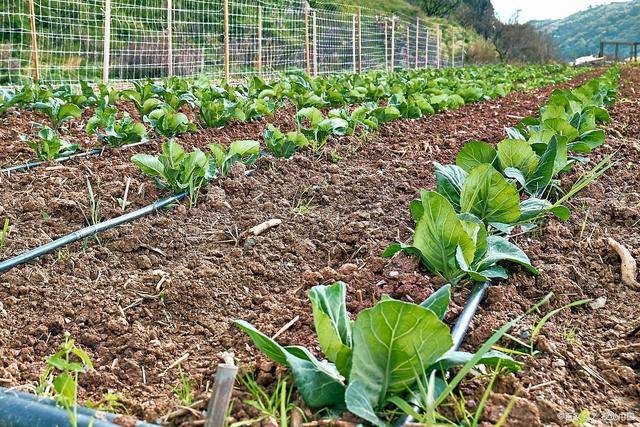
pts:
[627, 374]
[598, 303]
[558, 363]
[312, 277]
[328, 274]
[143, 262]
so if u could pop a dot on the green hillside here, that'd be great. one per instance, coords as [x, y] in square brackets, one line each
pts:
[580, 34]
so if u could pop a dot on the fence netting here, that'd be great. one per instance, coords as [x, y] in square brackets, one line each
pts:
[157, 38]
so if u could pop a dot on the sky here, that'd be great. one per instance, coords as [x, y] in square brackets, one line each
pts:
[542, 9]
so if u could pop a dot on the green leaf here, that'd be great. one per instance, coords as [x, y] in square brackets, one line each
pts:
[449, 182]
[543, 173]
[391, 343]
[266, 345]
[500, 249]
[532, 207]
[332, 324]
[65, 385]
[487, 195]
[438, 233]
[244, 148]
[475, 153]
[148, 164]
[359, 403]
[439, 301]
[514, 153]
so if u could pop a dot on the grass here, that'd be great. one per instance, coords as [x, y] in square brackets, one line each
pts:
[183, 392]
[3, 235]
[302, 205]
[275, 406]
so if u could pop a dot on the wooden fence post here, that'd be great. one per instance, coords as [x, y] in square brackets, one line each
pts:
[107, 41]
[386, 47]
[408, 53]
[259, 60]
[426, 49]
[170, 37]
[359, 39]
[462, 54]
[315, 46]
[438, 35]
[34, 42]
[393, 43]
[226, 39]
[601, 50]
[353, 44]
[417, 39]
[453, 48]
[306, 39]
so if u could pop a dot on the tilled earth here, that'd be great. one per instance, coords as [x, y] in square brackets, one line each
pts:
[147, 294]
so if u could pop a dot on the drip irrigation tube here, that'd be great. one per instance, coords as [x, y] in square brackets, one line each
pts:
[18, 409]
[457, 333]
[89, 231]
[94, 152]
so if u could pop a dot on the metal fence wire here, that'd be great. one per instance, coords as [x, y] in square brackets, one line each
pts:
[58, 41]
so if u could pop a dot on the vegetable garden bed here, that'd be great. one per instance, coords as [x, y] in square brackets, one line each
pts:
[337, 219]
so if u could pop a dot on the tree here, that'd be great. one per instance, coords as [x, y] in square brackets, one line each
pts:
[439, 8]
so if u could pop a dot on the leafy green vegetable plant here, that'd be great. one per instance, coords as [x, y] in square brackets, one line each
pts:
[168, 122]
[218, 112]
[58, 111]
[283, 146]
[113, 131]
[455, 246]
[177, 170]
[3, 235]
[60, 378]
[372, 359]
[49, 145]
[246, 152]
[317, 129]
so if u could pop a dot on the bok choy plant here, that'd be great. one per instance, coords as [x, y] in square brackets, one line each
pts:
[177, 170]
[246, 152]
[455, 246]
[58, 111]
[48, 145]
[373, 359]
[283, 146]
[115, 132]
[168, 122]
[317, 129]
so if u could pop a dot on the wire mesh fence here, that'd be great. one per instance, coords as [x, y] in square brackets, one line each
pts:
[60, 41]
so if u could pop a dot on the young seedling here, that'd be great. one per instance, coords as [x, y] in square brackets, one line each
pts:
[58, 111]
[275, 406]
[166, 121]
[60, 378]
[49, 145]
[110, 402]
[246, 152]
[113, 131]
[183, 392]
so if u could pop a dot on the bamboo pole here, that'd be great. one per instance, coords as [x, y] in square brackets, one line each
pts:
[408, 53]
[107, 41]
[34, 42]
[221, 393]
[386, 47]
[353, 43]
[359, 39]
[426, 49]
[393, 43]
[170, 37]
[306, 39]
[226, 39]
[417, 39]
[453, 48]
[438, 36]
[259, 61]
[315, 46]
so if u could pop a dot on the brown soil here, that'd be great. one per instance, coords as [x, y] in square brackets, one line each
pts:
[337, 218]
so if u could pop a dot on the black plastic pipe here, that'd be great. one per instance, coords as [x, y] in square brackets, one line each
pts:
[18, 409]
[457, 334]
[94, 152]
[89, 231]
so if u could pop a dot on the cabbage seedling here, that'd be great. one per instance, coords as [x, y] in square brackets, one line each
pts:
[168, 122]
[246, 152]
[283, 146]
[58, 111]
[49, 145]
[177, 170]
[106, 126]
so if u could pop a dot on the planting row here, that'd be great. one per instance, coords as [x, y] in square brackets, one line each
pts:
[391, 352]
[382, 96]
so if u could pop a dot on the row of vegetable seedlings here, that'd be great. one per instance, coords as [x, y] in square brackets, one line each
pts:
[392, 351]
[409, 94]
[328, 302]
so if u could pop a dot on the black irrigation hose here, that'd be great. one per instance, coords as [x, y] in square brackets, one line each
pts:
[89, 231]
[457, 333]
[18, 409]
[94, 152]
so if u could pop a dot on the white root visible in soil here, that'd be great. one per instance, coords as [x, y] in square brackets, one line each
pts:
[628, 265]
